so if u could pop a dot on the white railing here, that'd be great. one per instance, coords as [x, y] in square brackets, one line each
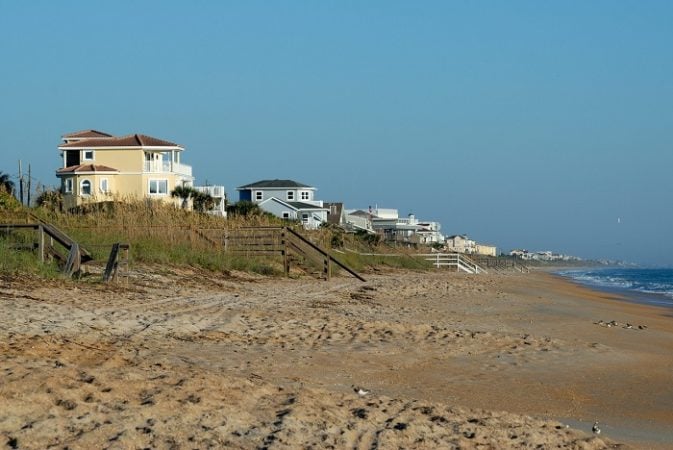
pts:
[213, 191]
[167, 167]
[457, 260]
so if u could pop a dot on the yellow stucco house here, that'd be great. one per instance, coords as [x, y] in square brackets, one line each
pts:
[100, 167]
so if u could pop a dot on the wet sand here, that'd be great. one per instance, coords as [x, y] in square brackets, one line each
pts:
[190, 360]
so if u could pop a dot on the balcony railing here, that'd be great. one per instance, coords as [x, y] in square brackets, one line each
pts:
[167, 167]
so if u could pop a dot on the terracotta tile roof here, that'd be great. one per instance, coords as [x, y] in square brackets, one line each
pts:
[274, 184]
[86, 168]
[87, 134]
[132, 140]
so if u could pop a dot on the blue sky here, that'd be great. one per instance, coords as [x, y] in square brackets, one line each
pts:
[524, 124]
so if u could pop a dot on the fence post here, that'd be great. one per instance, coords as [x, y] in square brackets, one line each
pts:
[40, 241]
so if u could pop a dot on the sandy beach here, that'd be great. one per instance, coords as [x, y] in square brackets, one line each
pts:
[180, 359]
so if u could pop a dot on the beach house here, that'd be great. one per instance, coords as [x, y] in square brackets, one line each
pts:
[219, 196]
[463, 244]
[286, 199]
[98, 166]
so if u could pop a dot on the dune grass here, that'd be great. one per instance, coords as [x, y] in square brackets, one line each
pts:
[165, 235]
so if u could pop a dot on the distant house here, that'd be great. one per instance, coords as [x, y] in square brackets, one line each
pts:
[219, 198]
[359, 220]
[336, 214]
[463, 244]
[286, 199]
[488, 250]
[100, 167]
[460, 244]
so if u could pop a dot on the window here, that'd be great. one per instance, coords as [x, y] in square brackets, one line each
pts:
[68, 186]
[158, 187]
[304, 218]
[104, 185]
[88, 155]
[259, 195]
[286, 215]
[290, 195]
[305, 195]
[85, 187]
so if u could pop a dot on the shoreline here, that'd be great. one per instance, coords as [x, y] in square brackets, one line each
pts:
[495, 360]
[621, 294]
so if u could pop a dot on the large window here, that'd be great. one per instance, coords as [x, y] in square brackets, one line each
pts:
[158, 187]
[85, 187]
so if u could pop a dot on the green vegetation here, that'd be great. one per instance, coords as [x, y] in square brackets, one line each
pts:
[15, 260]
[163, 234]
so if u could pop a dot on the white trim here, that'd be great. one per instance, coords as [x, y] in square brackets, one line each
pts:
[255, 195]
[93, 154]
[81, 187]
[157, 194]
[290, 195]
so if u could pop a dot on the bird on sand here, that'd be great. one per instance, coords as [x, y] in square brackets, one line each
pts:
[596, 429]
[360, 391]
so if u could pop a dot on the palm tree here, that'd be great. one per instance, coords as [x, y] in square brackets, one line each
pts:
[184, 192]
[203, 202]
[6, 183]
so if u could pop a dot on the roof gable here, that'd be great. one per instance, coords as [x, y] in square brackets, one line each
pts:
[87, 134]
[274, 184]
[296, 206]
[130, 141]
[86, 168]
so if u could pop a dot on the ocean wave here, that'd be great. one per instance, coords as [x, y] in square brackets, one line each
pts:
[643, 281]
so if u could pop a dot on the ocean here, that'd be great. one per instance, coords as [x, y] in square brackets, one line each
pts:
[649, 286]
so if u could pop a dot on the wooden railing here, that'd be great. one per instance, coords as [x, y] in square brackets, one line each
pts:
[458, 261]
[284, 242]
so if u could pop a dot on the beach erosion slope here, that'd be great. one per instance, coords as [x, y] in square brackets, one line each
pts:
[190, 360]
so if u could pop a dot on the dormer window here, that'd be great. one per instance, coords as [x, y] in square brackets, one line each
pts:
[87, 155]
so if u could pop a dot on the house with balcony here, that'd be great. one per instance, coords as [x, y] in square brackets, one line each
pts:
[286, 199]
[219, 196]
[98, 167]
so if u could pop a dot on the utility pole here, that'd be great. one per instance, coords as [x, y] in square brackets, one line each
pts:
[28, 203]
[20, 184]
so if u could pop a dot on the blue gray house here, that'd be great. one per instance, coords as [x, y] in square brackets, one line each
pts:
[286, 199]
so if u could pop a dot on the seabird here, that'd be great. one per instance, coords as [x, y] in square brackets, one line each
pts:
[596, 429]
[360, 391]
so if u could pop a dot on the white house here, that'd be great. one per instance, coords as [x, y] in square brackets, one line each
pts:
[219, 196]
[387, 221]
